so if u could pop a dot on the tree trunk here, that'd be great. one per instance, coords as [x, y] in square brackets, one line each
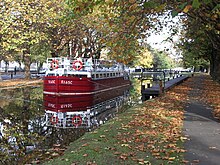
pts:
[39, 66]
[215, 65]
[27, 64]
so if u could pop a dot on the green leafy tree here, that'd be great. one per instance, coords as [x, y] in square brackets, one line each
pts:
[161, 60]
[39, 53]
[195, 51]
[202, 27]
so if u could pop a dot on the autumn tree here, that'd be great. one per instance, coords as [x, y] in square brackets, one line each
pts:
[144, 59]
[24, 24]
[202, 27]
[85, 37]
[121, 25]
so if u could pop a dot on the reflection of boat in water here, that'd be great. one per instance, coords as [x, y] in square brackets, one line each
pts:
[76, 90]
[63, 103]
[85, 117]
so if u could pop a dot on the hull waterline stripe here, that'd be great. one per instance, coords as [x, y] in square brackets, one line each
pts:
[84, 93]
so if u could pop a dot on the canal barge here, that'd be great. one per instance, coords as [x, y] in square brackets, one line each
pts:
[74, 89]
[66, 77]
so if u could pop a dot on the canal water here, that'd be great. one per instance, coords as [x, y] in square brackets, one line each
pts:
[31, 134]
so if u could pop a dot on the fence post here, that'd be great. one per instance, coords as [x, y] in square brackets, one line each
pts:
[161, 87]
[142, 87]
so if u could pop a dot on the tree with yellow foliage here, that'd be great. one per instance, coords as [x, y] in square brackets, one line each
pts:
[144, 59]
[25, 23]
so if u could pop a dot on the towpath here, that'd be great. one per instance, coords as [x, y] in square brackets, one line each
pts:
[201, 129]
[11, 75]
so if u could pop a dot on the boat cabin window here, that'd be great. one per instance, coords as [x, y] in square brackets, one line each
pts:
[104, 75]
[51, 74]
[80, 76]
[72, 75]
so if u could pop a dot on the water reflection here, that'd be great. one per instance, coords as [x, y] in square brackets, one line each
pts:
[34, 127]
[20, 122]
[82, 111]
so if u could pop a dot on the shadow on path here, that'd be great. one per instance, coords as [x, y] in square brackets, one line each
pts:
[201, 129]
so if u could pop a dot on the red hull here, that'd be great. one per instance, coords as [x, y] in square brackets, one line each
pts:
[61, 85]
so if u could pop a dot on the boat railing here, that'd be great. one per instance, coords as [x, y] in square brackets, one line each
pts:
[83, 64]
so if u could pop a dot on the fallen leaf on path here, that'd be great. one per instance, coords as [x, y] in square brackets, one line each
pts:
[84, 145]
[123, 157]
[117, 153]
[85, 155]
[212, 148]
[195, 161]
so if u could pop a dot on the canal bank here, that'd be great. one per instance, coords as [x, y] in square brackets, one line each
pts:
[15, 83]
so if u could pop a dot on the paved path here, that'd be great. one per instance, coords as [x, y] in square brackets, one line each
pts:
[201, 128]
[4, 76]
[8, 76]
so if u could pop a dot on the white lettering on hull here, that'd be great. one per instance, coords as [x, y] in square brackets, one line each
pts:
[68, 82]
[51, 105]
[51, 81]
[66, 106]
